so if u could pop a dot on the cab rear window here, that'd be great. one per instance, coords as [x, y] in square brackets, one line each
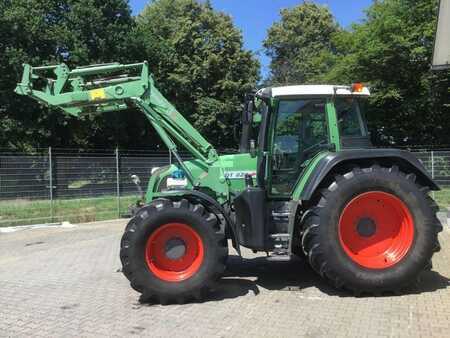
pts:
[350, 118]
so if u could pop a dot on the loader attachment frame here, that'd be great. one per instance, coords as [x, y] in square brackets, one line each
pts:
[109, 87]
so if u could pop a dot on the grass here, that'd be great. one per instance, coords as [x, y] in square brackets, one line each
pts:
[442, 198]
[24, 212]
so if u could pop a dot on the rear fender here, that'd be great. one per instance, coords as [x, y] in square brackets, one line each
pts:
[405, 160]
[334, 163]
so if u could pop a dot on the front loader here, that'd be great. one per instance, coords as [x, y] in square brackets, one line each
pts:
[306, 182]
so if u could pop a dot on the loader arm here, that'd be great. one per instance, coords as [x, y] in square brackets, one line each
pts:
[112, 87]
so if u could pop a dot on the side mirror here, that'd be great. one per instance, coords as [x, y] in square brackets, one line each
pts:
[237, 131]
[248, 112]
[137, 181]
[252, 148]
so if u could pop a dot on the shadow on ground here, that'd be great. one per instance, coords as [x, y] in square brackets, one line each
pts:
[244, 276]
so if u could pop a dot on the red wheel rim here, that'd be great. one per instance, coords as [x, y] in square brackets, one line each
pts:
[174, 252]
[376, 230]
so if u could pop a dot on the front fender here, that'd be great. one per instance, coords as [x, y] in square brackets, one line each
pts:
[210, 204]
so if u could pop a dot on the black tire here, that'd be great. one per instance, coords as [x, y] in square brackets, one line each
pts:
[145, 223]
[322, 245]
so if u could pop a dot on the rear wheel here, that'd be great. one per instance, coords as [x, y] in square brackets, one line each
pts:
[173, 251]
[372, 230]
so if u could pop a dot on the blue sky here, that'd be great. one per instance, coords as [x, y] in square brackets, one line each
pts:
[254, 17]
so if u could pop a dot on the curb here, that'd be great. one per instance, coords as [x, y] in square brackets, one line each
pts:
[37, 226]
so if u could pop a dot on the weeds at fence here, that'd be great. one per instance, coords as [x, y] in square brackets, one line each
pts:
[442, 198]
[54, 185]
[19, 212]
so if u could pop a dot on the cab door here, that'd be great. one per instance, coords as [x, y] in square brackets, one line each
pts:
[299, 130]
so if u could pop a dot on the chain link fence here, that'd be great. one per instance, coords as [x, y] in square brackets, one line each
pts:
[55, 185]
[437, 163]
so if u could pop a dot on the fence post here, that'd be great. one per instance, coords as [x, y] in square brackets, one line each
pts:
[432, 169]
[50, 167]
[117, 182]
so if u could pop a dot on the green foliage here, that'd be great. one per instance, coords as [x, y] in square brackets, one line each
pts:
[390, 51]
[300, 44]
[196, 54]
[22, 211]
[199, 63]
[46, 32]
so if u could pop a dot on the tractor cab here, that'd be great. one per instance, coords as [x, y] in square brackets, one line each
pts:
[298, 125]
[298, 122]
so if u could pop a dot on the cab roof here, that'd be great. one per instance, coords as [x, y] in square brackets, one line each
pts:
[312, 90]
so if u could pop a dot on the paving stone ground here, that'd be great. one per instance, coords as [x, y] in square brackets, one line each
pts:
[64, 282]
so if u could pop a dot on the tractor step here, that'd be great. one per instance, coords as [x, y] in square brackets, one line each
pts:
[280, 236]
[280, 214]
[280, 244]
[275, 257]
[280, 217]
[281, 247]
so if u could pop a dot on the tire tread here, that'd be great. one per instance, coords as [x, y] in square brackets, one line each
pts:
[130, 232]
[311, 222]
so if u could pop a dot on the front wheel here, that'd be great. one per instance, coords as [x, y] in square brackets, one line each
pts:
[372, 230]
[173, 251]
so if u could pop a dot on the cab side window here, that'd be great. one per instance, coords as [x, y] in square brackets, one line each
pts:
[350, 121]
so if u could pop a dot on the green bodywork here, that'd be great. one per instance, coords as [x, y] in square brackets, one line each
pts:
[215, 177]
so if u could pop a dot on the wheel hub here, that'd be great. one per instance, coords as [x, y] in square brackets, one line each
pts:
[174, 252]
[366, 227]
[175, 248]
[376, 230]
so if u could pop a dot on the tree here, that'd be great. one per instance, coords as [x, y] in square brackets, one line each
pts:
[391, 51]
[196, 55]
[299, 45]
[40, 32]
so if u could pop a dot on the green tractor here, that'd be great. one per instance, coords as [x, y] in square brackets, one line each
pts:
[306, 182]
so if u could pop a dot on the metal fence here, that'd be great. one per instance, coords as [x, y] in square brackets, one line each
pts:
[55, 185]
[437, 162]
